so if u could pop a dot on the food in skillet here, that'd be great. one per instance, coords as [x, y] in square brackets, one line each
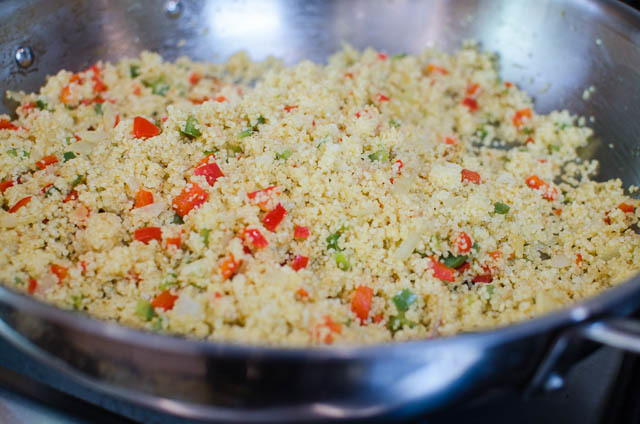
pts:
[368, 200]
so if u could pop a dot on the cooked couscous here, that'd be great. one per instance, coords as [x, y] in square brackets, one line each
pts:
[376, 198]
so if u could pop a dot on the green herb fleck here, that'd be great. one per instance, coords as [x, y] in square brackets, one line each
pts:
[284, 155]
[18, 281]
[134, 70]
[332, 239]
[482, 133]
[245, 133]
[41, 104]
[490, 289]
[234, 148]
[80, 179]
[76, 301]
[210, 152]
[49, 191]
[553, 148]
[501, 208]
[455, 261]
[394, 123]
[527, 130]
[190, 129]
[380, 155]
[398, 56]
[204, 233]
[475, 246]
[177, 219]
[404, 300]
[159, 86]
[260, 121]
[12, 152]
[98, 108]
[144, 310]
[342, 262]
[67, 156]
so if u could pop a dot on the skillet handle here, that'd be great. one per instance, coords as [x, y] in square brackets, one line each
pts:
[620, 333]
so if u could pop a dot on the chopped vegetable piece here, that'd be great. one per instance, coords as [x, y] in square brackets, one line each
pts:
[626, 208]
[394, 123]
[194, 78]
[255, 238]
[471, 176]
[134, 71]
[404, 300]
[501, 208]
[299, 262]
[229, 266]
[483, 278]
[332, 239]
[20, 203]
[431, 68]
[12, 152]
[289, 108]
[245, 133]
[177, 219]
[379, 155]
[46, 161]
[191, 128]
[59, 271]
[300, 233]
[48, 190]
[342, 262]
[210, 171]
[398, 56]
[173, 241]
[169, 281]
[143, 198]
[5, 124]
[453, 261]
[164, 300]
[286, 154]
[204, 233]
[441, 271]
[146, 234]
[472, 89]
[144, 310]
[361, 302]
[262, 197]
[549, 193]
[33, 285]
[275, 217]
[159, 87]
[67, 156]
[98, 108]
[4, 185]
[80, 179]
[143, 128]
[73, 195]
[302, 293]
[470, 103]
[40, 104]
[521, 116]
[190, 197]
[463, 242]
[382, 98]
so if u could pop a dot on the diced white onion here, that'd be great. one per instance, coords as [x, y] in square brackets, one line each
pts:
[151, 210]
[559, 261]
[407, 246]
[186, 305]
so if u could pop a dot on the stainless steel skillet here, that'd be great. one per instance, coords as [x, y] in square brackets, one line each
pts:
[568, 44]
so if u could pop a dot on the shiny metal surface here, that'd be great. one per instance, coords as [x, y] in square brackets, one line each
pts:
[553, 49]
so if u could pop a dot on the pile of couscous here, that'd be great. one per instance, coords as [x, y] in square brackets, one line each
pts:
[376, 198]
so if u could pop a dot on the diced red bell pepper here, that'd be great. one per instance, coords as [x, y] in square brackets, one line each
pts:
[463, 242]
[626, 208]
[299, 262]
[289, 108]
[194, 78]
[33, 285]
[471, 103]
[173, 241]
[255, 238]
[4, 185]
[73, 195]
[535, 182]
[431, 68]
[211, 172]
[263, 196]
[59, 271]
[441, 271]
[143, 128]
[273, 218]
[361, 302]
[382, 98]
[302, 293]
[221, 99]
[472, 89]
[472, 176]
[520, 115]
[20, 203]
[548, 192]
[146, 234]
[143, 198]
[190, 197]
[382, 56]
[483, 278]
[46, 161]
[229, 266]
[165, 300]
[300, 233]
[449, 140]
[5, 124]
